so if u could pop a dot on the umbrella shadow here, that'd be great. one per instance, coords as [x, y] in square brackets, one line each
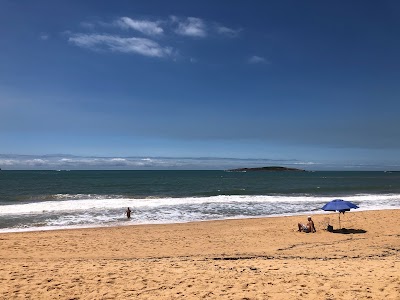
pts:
[349, 231]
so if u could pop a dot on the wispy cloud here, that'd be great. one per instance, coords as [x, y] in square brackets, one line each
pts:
[144, 26]
[229, 32]
[125, 34]
[44, 36]
[257, 60]
[88, 25]
[113, 43]
[193, 27]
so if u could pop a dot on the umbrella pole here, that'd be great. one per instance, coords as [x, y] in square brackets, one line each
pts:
[340, 227]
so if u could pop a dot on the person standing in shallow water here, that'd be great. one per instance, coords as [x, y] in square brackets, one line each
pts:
[128, 213]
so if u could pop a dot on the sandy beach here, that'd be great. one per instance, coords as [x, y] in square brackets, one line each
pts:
[232, 259]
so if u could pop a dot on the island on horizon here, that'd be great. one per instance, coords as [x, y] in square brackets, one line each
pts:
[273, 168]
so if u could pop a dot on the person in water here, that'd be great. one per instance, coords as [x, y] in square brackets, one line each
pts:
[128, 213]
[309, 227]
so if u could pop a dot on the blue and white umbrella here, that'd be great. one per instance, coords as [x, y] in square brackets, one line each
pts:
[339, 205]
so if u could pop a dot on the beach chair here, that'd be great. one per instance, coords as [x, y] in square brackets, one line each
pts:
[325, 223]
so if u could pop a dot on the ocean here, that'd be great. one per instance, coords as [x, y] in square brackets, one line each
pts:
[46, 200]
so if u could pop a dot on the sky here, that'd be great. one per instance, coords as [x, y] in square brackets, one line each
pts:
[199, 84]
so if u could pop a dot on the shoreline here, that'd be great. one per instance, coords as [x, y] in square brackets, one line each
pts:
[258, 258]
[122, 223]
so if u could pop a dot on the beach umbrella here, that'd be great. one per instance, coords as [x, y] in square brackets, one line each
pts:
[339, 205]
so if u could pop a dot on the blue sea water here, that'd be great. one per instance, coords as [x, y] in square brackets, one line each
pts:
[43, 200]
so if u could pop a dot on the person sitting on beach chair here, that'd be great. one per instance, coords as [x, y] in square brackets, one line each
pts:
[309, 227]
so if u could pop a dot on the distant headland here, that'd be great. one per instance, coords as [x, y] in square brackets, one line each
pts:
[268, 169]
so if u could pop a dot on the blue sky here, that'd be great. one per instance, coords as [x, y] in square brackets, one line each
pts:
[199, 84]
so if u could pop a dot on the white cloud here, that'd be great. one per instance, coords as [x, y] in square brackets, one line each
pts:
[228, 31]
[193, 27]
[143, 26]
[305, 163]
[88, 25]
[69, 162]
[66, 160]
[117, 159]
[113, 43]
[44, 36]
[37, 162]
[8, 162]
[114, 35]
[257, 60]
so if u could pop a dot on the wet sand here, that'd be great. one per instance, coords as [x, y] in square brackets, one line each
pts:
[233, 259]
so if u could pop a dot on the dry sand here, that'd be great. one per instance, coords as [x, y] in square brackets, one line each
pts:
[234, 259]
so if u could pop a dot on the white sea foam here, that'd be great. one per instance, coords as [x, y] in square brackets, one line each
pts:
[94, 210]
[101, 203]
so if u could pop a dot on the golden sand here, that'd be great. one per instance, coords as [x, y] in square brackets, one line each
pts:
[233, 259]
